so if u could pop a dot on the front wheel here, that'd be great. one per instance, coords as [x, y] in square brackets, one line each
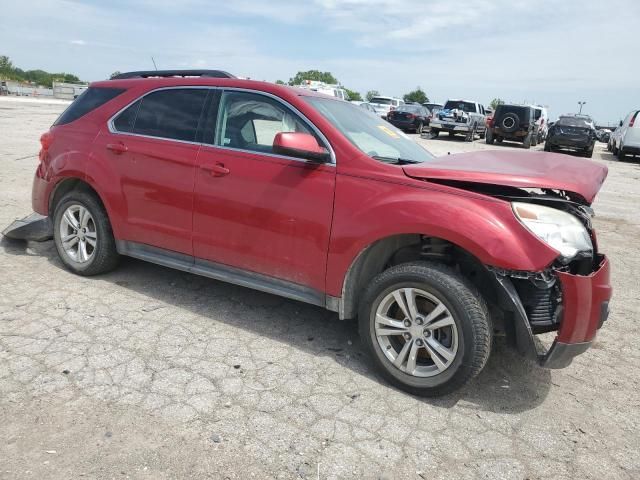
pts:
[471, 134]
[82, 234]
[489, 137]
[426, 329]
[419, 128]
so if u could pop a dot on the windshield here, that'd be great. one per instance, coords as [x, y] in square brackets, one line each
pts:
[381, 101]
[459, 105]
[369, 133]
[575, 122]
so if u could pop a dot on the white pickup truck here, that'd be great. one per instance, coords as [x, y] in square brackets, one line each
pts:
[460, 116]
[383, 105]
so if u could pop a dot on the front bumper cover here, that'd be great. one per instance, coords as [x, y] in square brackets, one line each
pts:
[585, 308]
[34, 227]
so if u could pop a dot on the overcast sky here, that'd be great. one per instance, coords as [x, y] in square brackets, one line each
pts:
[550, 52]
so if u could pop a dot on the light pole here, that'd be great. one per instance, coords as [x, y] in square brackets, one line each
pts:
[581, 104]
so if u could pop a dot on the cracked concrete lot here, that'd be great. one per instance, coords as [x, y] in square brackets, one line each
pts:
[152, 373]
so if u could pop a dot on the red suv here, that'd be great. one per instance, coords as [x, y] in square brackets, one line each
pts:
[310, 197]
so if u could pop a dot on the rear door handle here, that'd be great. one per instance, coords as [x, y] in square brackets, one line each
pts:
[217, 169]
[117, 148]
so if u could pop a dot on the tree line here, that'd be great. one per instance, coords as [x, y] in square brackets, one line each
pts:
[38, 77]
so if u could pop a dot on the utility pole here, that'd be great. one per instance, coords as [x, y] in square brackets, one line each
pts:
[581, 104]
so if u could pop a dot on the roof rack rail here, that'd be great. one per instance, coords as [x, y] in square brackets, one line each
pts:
[174, 73]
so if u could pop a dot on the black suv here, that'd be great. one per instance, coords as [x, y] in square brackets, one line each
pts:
[516, 123]
[573, 132]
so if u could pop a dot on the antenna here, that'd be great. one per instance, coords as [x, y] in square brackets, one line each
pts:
[154, 63]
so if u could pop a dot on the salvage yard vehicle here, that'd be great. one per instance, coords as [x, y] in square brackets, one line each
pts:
[627, 142]
[460, 116]
[409, 117]
[383, 105]
[542, 121]
[572, 132]
[298, 194]
[516, 123]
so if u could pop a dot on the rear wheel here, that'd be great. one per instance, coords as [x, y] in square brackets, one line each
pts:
[435, 132]
[82, 234]
[419, 127]
[427, 330]
[621, 155]
[547, 147]
[489, 137]
[471, 134]
[534, 139]
[526, 143]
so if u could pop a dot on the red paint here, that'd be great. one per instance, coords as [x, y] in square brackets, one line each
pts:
[302, 221]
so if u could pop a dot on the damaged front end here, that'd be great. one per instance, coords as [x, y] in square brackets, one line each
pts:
[571, 296]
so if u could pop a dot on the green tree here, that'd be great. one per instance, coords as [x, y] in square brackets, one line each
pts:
[416, 95]
[115, 74]
[280, 82]
[316, 75]
[495, 102]
[370, 94]
[353, 95]
[5, 64]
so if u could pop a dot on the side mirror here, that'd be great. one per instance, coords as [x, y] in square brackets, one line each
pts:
[300, 145]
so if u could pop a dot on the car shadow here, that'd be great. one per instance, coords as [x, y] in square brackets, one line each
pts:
[508, 383]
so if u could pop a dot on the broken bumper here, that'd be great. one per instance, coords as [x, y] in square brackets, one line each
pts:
[585, 307]
[34, 227]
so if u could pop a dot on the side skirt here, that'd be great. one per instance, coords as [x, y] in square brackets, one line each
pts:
[218, 271]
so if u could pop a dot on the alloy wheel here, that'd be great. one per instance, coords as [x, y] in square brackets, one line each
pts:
[416, 332]
[78, 234]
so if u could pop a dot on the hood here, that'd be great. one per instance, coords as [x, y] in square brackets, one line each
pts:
[517, 169]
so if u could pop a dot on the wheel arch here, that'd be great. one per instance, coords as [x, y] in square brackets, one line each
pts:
[401, 248]
[69, 184]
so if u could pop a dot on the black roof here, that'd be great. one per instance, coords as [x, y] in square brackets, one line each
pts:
[174, 73]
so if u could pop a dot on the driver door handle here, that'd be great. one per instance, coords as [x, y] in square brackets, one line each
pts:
[217, 169]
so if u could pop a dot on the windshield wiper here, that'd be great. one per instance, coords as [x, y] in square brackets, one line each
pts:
[395, 161]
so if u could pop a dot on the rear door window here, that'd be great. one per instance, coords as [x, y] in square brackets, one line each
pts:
[90, 99]
[173, 114]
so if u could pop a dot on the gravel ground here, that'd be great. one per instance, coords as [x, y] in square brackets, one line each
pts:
[152, 373]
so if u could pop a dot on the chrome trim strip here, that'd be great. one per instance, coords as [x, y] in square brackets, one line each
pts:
[112, 129]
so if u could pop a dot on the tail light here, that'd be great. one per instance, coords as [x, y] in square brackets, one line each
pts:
[46, 139]
[410, 115]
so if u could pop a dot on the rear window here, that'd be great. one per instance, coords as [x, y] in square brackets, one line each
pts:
[172, 114]
[575, 122]
[90, 99]
[464, 106]
[381, 101]
[409, 108]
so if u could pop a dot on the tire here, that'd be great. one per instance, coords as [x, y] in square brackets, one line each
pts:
[489, 137]
[435, 133]
[526, 143]
[419, 128]
[547, 147]
[466, 339]
[620, 154]
[510, 122]
[614, 150]
[534, 139]
[102, 256]
[471, 134]
[499, 139]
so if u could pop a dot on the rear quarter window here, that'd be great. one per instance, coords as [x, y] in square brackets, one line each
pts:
[173, 114]
[89, 100]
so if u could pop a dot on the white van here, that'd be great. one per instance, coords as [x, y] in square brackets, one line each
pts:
[542, 121]
[627, 140]
[383, 105]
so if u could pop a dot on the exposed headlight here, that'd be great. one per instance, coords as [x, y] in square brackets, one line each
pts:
[560, 230]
